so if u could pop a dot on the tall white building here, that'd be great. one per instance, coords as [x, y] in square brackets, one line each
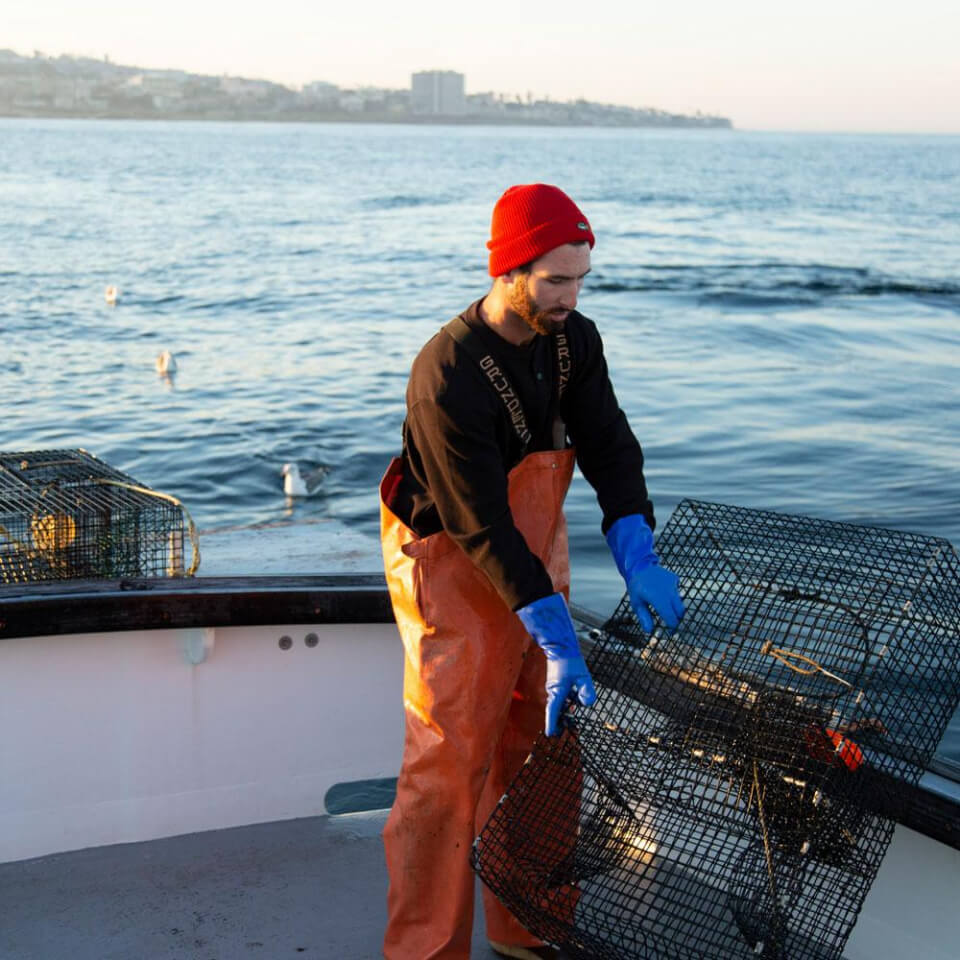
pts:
[438, 91]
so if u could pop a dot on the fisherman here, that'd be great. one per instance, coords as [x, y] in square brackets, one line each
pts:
[499, 403]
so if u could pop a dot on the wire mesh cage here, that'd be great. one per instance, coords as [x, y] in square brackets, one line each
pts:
[735, 787]
[65, 514]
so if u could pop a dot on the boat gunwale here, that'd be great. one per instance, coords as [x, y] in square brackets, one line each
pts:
[162, 603]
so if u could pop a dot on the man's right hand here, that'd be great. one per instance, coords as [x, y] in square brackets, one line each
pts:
[549, 622]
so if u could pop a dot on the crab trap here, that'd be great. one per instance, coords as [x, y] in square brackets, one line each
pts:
[65, 514]
[734, 789]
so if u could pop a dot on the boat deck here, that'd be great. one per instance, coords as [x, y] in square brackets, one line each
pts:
[316, 888]
[312, 888]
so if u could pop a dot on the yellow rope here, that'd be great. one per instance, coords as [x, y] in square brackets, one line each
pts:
[768, 855]
[785, 657]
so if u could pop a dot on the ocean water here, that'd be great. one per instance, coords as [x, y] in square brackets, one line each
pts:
[780, 312]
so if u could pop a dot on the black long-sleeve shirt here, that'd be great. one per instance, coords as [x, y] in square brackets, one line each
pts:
[459, 445]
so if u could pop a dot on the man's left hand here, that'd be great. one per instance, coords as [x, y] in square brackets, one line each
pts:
[651, 587]
[656, 588]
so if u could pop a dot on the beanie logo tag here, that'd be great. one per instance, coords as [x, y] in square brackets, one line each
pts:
[582, 226]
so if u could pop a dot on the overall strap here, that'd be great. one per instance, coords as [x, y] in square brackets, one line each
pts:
[472, 342]
[562, 357]
[564, 364]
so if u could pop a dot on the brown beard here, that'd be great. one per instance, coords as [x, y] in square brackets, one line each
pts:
[525, 307]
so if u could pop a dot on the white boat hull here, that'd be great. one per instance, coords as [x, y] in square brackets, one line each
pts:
[119, 737]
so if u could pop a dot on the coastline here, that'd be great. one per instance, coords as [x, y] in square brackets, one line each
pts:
[83, 88]
[671, 122]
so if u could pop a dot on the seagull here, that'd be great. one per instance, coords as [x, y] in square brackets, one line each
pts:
[166, 363]
[294, 484]
[111, 294]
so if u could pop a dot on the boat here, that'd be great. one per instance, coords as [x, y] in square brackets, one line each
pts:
[200, 766]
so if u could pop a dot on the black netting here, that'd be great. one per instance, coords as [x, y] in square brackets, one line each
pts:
[65, 514]
[734, 789]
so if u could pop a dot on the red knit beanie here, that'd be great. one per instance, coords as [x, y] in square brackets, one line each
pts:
[529, 220]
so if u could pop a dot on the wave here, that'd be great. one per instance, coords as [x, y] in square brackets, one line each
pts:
[400, 200]
[164, 300]
[777, 282]
[652, 198]
[255, 304]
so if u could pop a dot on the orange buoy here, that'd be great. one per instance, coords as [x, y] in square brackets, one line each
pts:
[833, 748]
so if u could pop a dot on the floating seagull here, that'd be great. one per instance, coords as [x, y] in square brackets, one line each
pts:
[111, 294]
[166, 363]
[294, 484]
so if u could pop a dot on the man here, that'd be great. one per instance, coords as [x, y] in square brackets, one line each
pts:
[475, 552]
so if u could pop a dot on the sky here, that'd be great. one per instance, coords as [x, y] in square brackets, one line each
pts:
[831, 65]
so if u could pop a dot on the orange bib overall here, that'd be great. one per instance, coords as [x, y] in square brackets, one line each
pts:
[473, 693]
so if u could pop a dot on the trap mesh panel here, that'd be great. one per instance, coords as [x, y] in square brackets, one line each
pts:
[735, 787]
[65, 514]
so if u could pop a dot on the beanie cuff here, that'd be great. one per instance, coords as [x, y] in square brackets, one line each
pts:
[529, 246]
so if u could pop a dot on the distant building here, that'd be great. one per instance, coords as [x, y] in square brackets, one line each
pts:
[319, 91]
[163, 88]
[438, 92]
[350, 101]
[240, 88]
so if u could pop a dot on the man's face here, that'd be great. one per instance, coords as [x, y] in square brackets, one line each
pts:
[545, 296]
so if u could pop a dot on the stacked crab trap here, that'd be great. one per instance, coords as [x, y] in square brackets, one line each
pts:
[64, 514]
[734, 789]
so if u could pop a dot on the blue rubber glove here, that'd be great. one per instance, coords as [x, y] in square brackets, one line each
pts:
[649, 584]
[548, 621]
